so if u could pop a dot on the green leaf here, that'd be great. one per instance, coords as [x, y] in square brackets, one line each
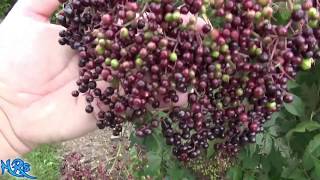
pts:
[282, 16]
[248, 177]
[296, 107]
[259, 139]
[176, 172]
[154, 164]
[317, 167]
[292, 84]
[250, 162]
[234, 173]
[281, 145]
[312, 151]
[314, 144]
[293, 171]
[267, 144]
[303, 127]
[252, 149]
[297, 174]
[307, 161]
[210, 150]
[310, 95]
[273, 131]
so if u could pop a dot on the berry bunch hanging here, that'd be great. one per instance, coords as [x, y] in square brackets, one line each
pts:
[215, 82]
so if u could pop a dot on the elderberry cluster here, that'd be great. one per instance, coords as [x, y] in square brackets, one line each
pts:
[214, 81]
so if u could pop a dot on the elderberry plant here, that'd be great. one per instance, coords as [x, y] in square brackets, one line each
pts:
[215, 70]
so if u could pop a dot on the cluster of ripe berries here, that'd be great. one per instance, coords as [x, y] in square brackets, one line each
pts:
[211, 81]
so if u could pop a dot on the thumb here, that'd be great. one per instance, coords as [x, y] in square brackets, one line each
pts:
[41, 9]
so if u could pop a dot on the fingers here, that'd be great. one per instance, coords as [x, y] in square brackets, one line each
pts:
[42, 9]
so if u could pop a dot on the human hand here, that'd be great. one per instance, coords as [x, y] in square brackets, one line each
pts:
[36, 78]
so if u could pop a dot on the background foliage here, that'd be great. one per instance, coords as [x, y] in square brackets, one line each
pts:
[290, 146]
[5, 6]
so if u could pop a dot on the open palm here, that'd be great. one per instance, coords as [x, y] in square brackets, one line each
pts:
[36, 78]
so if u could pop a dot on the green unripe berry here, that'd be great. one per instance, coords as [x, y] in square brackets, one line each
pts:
[115, 63]
[218, 74]
[96, 41]
[207, 42]
[203, 9]
[169, 17]
[173, 57]
[306, 64]
[313, 23]
[258, 15]
[102, 42]
[272, 105]
[258, 51]
[219, 105]
[108, 44]
[176, 16]
[99, 50]
[239, 92]
[148, 35]
[100, 35]
[139, 61]
[228, 17]
[313, 13]
[245, 79]
[253, 49]
[124, 33]
[218, 67]
[297, 7]
[224, 48]
[225, 78]
[107, 61]
[263, 2]
[267, 12]
[215, 54]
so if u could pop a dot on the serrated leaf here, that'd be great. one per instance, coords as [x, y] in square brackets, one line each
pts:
[154, 164]
[304, 126]
[273, 131]
[248, 176]
[252, 149]
[175, 171]
[162, 114]
[234, 173]
[312, 151]
[250, 162]
[272, 121]
[310, 95]
[282, 147]
[210, 150]
[314, 145]
[259, 139]
[296, 107]
[292, 84]
[267, 144]
[282, 16]
[317, 168]
[297, 174]
[307, 161]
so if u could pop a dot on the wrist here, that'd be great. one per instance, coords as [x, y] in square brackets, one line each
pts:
[10, 143]
[6, 149]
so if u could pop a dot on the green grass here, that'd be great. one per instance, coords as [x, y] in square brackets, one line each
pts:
[45, 164]
[5, 6]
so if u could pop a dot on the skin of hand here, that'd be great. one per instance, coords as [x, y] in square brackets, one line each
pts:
[37, 76]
